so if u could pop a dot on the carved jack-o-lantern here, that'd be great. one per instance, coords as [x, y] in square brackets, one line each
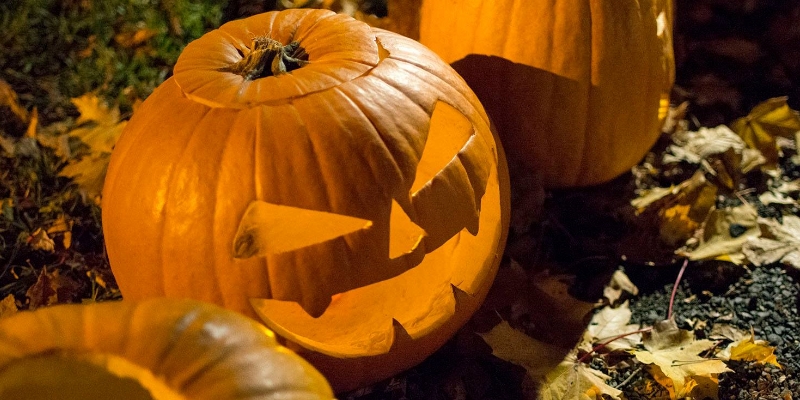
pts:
[340, 182]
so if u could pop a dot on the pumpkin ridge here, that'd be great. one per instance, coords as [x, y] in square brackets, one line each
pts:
[186, 157]
[163, 213]
[181, 326]
[379, 176]
[389, 86]
[422, 68]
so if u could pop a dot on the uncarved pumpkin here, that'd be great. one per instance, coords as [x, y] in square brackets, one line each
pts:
[577, 88]
[152, 350]
[340, 182]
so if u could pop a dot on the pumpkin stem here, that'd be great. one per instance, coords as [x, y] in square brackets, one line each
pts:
[269, 57]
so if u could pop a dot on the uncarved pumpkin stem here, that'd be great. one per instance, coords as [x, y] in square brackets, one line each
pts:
[269, 57]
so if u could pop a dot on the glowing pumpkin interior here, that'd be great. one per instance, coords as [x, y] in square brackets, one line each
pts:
[362, 322]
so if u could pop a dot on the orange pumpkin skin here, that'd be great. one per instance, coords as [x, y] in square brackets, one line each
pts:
[577, 88]
[176, 348]
[358, 205]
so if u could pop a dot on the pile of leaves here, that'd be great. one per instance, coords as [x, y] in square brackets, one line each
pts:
[50, 234]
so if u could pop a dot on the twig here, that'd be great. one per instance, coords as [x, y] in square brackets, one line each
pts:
[628, 379]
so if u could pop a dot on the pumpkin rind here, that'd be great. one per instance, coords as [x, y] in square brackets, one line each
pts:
[577, 88]
[375, 128]
[179, 348]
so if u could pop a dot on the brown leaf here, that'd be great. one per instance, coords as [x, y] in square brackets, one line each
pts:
[52, 288]
[42, 293]
[8, 306]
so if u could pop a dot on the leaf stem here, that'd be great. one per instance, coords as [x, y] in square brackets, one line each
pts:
[675, 287]
[604, 344]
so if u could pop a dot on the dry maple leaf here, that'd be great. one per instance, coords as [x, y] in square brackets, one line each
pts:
[618, 286]
[537, 357]
[611, 322]
[696, 146]
[560, 375]
[675, 353]
[573, 380]
[778, 242]
[725, 231]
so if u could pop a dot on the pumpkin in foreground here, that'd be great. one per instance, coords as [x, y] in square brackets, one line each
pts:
[152, 350]
[340, 182]
[578, 88]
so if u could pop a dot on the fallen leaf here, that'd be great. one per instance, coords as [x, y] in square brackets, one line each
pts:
[92, 108]
[725, 231]
[618, 286]
[777, 242]
[52, 287]
[611, 322]
[770, 197]
[559, 317]
[40, 240]
[683, 213]
[99, 128]
[14, 117]
[63, 228]
[726, 331]
[42, 293]
[749, 349]
[650, 196]
[675, 353]
[537, 357]
[696, 146]
[8, 306]
[134, 38]
[89, 173]
[573, 380]
[771, 119]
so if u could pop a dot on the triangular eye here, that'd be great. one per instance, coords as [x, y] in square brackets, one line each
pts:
[404, 235]
[268, 228]
[448, 133]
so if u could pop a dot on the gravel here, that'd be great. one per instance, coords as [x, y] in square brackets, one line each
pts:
[765, 300]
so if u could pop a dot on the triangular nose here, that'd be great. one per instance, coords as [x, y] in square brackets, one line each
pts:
[268, 228]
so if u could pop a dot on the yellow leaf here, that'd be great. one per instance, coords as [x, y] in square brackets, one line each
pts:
[135, 38]
[99, 128]
[89, 173]
[99, 137]
[33, 123]
[676, 226]
[749, 349]
[8, 98]
[675, 353]
[573, 380]
[766, 121]
[64, 228]
[92, 108]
